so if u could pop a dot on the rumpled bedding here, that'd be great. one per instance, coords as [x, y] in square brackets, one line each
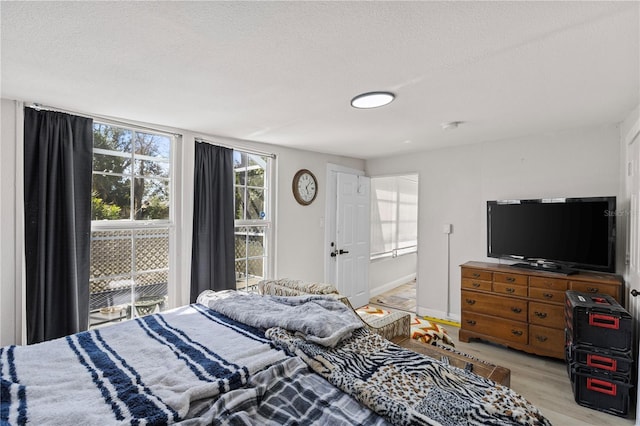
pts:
[196, 366]
[154, 370]
[288, 392]
[319, 319]
[408, 388]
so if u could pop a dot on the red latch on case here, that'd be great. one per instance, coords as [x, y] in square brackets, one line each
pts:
[602, 362]
[604, 321]
[601, 386]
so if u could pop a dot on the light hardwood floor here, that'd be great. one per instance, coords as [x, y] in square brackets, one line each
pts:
[543, 381]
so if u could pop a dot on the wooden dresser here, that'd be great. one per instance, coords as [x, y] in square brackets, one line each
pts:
[522, 308]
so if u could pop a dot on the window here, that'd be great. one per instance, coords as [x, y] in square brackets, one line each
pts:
[131, 223]
[394, 215]
[253, 217]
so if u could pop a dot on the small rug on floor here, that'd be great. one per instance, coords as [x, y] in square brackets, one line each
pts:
[421, 329]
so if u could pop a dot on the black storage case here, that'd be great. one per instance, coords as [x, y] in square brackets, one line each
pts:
[609, 393]
[601, 360]
[598, 320]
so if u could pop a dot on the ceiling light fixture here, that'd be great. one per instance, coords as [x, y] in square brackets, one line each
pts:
[372, 99]
[450, 125]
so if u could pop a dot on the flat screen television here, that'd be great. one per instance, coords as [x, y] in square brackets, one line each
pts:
[565, 234]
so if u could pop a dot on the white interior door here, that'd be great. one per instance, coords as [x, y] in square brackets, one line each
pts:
[351, 250]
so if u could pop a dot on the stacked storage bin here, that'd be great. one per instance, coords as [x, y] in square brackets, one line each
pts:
[598, 351]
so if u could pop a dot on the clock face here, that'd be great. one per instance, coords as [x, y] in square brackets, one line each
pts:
[305, 187]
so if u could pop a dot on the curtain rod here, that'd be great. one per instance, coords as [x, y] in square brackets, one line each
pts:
[236, 148]
[110, 120]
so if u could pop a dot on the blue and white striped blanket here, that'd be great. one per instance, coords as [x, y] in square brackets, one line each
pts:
[158, 369]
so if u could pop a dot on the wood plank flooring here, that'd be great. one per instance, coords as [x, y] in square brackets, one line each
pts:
[543, 381]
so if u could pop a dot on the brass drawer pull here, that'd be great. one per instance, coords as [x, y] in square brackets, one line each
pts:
[592, 289]
[511, 280]
[471, 322]
[516, 310]
[476, 285]
[516, 332]
[510, 290]
[475, 275]
[470, 301]
[548, 295]
[541, 338]
[541, 314]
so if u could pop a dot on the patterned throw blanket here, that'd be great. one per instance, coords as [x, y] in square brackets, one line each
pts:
[421, 329]
[409, 388]
[158, 369]
[289, 393]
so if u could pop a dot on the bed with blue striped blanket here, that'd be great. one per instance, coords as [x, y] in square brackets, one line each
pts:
[195, 366]
[190, 365]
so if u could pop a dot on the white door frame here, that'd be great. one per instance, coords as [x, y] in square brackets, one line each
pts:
[330, 215]
[632, 257]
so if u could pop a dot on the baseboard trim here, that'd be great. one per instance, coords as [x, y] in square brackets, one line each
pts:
[439, 315]
[391, 285]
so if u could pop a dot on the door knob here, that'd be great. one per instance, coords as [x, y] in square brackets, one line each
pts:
[343, 251]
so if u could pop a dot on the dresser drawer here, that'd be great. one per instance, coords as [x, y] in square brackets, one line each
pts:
[502, 277]
[500, 328]
[587, 287]
[498, 306]
[548, 339]
[510, 289]
[555, 296]
[549, 283]
[477, 274]
[546, 315]
[474, 284]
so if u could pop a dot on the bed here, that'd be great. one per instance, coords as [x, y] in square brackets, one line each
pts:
[245, 359]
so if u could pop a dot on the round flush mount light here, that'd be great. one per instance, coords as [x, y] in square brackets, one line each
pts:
[372, 99]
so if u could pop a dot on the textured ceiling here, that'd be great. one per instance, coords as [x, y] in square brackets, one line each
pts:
[284, 72]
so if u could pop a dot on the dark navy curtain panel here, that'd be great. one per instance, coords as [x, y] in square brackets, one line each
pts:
[213, 253]
[57, 204]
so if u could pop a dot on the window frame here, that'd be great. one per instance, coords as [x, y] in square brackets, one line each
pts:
[134, 225]
[267, 223]
[395, 250]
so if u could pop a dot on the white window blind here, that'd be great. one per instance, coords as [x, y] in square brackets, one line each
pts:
[394, 215]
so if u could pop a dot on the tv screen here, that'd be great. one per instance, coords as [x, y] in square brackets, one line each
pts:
[574, 233]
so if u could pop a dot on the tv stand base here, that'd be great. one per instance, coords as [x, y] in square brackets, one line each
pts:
[547, 267]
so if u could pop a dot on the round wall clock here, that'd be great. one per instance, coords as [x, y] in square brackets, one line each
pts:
[305, 187]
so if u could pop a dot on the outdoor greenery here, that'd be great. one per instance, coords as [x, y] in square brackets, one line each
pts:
[249, 181]
[126, 164]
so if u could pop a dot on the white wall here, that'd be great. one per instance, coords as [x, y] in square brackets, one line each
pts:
[456, 182]
[299, 230]
[389, 272]
[9, 329]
